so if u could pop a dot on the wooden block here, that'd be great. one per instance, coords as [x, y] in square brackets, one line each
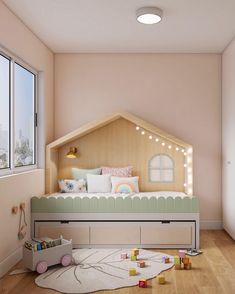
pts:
[161, 279]
[143, 283]
[177, 260]
[133, 257]
[141, 263]
[166, 259]
[124, 256]
[182, 253]
[188, 266]
[185, 260]
[135, 251]
[177, 266]
[132, 272]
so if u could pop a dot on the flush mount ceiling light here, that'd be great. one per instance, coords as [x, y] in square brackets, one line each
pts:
[149, 15]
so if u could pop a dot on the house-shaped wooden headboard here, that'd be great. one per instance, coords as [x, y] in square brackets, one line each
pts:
[120, 139]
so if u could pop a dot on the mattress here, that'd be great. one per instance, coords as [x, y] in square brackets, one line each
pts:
[144, 202]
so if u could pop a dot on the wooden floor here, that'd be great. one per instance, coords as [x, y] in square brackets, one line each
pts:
[213, 272]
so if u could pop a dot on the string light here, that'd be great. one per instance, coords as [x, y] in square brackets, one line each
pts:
[185, 151]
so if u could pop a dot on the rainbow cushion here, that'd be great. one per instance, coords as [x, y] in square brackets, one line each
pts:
[125, 185]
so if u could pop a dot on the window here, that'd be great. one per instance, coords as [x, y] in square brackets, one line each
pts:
[17, 116]
[161, 168]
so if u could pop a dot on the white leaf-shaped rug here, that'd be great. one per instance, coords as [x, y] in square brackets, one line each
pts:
[101, 269]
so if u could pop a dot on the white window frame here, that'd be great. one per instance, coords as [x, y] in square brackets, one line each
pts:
[161, 169]
[12, 169]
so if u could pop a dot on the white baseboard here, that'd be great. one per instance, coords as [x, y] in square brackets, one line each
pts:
[11, 260]
[211, 225]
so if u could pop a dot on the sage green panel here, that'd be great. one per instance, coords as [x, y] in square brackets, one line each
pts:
[114, 205]
[161, 204]
[170, 204]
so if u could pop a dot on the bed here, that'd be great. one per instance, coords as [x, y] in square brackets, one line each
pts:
[147, 219]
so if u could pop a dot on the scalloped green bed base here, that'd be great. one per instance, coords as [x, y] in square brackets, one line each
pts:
[114, 205]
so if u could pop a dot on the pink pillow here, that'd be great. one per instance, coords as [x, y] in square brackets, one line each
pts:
[125, 171]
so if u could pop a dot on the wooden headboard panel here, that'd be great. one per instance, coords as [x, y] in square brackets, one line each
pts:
[118, 143]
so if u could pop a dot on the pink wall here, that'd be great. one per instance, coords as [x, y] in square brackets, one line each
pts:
[228, 122]
[180, 93]
[17, 38]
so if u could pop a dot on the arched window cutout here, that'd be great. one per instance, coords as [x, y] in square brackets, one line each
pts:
[161, 168]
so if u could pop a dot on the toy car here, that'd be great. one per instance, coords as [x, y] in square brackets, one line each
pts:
[39, 261]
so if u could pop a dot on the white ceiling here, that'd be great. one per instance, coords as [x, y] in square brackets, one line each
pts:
[111, 26]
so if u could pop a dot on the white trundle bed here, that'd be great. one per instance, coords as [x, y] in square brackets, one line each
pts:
[147, 220]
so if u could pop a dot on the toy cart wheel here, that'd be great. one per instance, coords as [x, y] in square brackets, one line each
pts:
[41, 267]
[66, 260]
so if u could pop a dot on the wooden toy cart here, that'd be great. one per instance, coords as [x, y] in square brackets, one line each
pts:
[40, 260]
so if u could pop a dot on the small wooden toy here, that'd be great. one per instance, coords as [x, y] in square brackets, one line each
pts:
[188, 266]
[166, 259]
[132, 272]
[177, 260]
[177, 266]
[141, 263]
[133, 257]
[143, 283]
[124, 256]
[185, 260]
[181, 253]
[135, 251]
[161, 279]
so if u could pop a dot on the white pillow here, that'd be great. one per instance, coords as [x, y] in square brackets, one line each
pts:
[98, 183]
[125, 185]
[72, 186]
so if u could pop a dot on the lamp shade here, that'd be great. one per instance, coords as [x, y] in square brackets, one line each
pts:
[72, 153]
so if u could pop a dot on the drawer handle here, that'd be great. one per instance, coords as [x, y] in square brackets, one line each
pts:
[165, 222]
[64, 222]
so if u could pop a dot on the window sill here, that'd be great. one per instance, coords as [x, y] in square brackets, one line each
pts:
[19, 173]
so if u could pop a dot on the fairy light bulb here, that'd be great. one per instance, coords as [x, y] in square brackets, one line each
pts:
[177, 148]
[185, 153]
[137, 128]
[163, 143]
[156, 140]
[169, 147]
[182, 150]
[143, 132]
[185, 165]
[150, 137]
[185, 185]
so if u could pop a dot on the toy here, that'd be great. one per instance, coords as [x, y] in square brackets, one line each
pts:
[161, 279]
[142, 283]
[185, 260]
[133, 257]
[132, 272]
[166, 259]
[135, 251]
[124, 256]
[182, 253]
[40, 260]
[177, 266]
[177, 260]
[141, 263]
[188, 266]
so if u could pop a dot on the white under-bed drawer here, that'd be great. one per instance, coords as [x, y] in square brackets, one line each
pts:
[172, 233]
[166, 234]
[114, 233]
[78, 232]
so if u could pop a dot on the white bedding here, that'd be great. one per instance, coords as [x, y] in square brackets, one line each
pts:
[164, 194]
